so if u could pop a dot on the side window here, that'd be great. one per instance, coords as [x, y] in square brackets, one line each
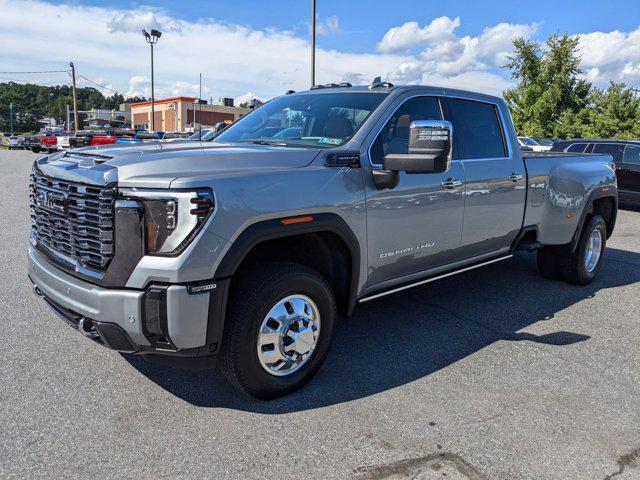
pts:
[577, 148]
[394, 137]
[612, 149]
[631, 155]
[477, 129]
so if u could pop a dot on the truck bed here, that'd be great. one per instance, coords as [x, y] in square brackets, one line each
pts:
[559, 185]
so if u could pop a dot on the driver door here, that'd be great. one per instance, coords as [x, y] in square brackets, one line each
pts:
[417, 225]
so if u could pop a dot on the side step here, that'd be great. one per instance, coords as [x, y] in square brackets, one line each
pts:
[433, 279]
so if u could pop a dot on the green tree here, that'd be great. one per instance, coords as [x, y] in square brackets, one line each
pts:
[550, 98]
[614, 112]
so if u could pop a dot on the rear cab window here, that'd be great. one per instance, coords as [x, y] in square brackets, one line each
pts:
[477, 130]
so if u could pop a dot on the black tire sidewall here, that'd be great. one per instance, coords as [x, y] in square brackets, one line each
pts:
[596, 222]
[252, 375]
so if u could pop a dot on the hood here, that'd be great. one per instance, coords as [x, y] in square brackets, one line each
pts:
[156, 165]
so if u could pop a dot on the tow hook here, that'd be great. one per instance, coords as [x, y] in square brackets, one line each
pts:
[85, 326]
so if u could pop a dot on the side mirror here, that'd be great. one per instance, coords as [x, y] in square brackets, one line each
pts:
[430, 144]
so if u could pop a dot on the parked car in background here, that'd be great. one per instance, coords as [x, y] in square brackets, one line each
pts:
[49, 142]
[140, 137]
[86, 138]
[530, 142]
[63, 138]
[625, 154]
[97, 140]
[32, 142]
[15, 142]
[545, 142]
[175, 136]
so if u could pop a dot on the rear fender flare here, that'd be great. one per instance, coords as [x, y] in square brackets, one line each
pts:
[601, 192]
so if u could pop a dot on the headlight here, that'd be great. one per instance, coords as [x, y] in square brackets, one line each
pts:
[172, 218]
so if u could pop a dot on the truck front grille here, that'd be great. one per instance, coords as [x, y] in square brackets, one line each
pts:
[72, 219]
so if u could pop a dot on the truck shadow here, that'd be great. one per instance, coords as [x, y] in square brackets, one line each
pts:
[401, 338]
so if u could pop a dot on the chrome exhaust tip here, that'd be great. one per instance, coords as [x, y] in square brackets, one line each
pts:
[37, 291]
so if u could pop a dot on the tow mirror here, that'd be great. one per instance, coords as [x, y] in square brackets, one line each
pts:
[430, 144]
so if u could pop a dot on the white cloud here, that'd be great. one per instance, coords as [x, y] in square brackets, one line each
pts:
[329, 26]
[247, 97]
[445, 54]
[402, 39]
[134, 22]
[139, 86]
[611, 56]
[106, 44]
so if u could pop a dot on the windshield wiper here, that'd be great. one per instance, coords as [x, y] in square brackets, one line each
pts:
[265, 142]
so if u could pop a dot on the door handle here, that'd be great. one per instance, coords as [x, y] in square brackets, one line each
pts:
[451, 183]
[514, 177]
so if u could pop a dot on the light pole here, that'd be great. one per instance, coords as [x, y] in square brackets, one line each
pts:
[152, 38]
[49, 107]
[313, 42]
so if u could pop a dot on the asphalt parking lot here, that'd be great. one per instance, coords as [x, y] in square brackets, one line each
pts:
[493, 374]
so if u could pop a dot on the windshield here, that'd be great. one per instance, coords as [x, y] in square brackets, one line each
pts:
[200, 134]
[312, 119]
[544, 141]
[529, 141]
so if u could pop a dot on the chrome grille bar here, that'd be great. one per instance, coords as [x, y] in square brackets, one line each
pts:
[73, 219]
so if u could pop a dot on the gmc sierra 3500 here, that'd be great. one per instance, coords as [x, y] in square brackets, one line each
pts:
[247, 247]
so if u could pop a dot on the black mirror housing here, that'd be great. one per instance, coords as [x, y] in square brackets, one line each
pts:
[430, 149]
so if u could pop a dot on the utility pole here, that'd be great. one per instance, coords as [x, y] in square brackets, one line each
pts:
[49, 107]
[68, 117]
[153, 113]
[313, 42]
[152, 38]
[200, 110]
[11, 117]
[75, 102]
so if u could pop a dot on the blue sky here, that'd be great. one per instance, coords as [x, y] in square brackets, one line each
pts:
[261, 47]
[364, 22]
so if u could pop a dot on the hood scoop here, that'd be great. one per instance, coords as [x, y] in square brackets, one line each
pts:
[85, 160]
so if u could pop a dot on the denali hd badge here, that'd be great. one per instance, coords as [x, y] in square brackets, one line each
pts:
[402, 251]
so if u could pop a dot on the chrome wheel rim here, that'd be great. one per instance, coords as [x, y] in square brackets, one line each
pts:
[288, 335]
[594, 251]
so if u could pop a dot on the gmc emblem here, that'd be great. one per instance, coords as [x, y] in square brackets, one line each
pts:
[52, 201]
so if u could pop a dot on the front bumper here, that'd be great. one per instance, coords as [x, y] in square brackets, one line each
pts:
[191, 318]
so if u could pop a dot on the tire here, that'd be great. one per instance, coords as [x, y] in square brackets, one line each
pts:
[576, 267]
[244, 352]
[35, 149]
[549, 263]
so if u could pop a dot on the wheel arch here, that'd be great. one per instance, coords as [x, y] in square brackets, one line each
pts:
[602, 201]
[317, 242]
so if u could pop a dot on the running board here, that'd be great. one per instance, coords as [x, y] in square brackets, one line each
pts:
[433, 279]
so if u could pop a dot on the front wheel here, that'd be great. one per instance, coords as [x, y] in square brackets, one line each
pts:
[279, 329]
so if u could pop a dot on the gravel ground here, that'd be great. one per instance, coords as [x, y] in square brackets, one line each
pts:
[493, 374]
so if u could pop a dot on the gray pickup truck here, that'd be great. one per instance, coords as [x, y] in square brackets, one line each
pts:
[248, 247]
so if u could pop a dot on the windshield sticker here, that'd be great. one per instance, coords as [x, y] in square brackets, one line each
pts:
[330, 141]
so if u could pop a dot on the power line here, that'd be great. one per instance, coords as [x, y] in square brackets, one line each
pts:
[42, 71]
[29, 82]
[97, 84]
